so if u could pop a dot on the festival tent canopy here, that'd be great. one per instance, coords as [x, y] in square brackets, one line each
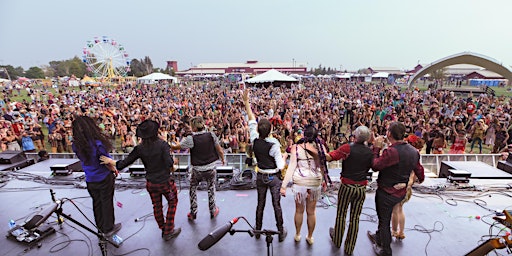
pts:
[154, 77]
[270, 77]
[381, 75]
[4, 80]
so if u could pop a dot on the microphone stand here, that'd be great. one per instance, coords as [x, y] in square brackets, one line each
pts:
[101, 236]
[268, 237]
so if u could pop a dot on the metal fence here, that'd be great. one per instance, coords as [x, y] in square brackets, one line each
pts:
[432, 163]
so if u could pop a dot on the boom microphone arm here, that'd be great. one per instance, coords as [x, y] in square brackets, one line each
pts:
[217, 234]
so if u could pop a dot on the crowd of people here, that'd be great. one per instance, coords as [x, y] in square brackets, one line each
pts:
[446, 122]
[387, 126]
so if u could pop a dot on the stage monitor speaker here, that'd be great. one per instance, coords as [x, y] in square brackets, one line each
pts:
[181, 169]
[224, 170]
[66, 169]
[137, 170]
[12, 157]
[461, 176]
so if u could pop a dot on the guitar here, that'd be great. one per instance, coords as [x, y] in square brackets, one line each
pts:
[498, 242]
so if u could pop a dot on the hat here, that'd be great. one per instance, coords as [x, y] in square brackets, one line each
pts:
[147, 129]
[481, 120]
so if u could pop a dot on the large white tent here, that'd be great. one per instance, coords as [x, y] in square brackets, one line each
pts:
[155, 77]
[271, 76]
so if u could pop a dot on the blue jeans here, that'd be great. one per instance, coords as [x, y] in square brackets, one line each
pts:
[479, 144]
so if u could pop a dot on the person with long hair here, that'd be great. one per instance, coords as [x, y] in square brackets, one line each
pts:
[89, 143]
[306, 170]
[155, 154]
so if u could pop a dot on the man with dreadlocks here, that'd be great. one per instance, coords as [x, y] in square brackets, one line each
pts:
[306, 169]
[270, 163]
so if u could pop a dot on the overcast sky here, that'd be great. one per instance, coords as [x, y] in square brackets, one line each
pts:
[347, 34]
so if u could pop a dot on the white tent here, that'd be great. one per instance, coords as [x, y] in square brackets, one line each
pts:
[270, 77]
[381, 75]
[4, 80]
[155, 77]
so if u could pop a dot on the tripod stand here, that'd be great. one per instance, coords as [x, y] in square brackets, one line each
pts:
[268, 237]
[20, 233]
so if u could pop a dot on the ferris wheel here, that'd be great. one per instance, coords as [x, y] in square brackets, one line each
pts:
[106, 58]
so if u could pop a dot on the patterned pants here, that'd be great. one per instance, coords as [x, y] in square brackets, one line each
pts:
[353, 195]
[209, 177]
[265, 182]
[168, 190]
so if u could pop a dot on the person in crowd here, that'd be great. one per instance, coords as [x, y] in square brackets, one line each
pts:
[43, 155]
[394, 166]
[501, 139]
[205, 155]
[155, 154]
[89, 143]
[12, 141]
[439, 143]
[27, 144]
[306, 170]
[267, 151]
[398, 215]
[477, 134]
[459, 145]
[357, 160]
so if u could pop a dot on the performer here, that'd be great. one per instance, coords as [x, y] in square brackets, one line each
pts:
[270, 161]
[394, 167]
[357, 161]
[155, 155]
[398, 216]
[306, 171]
[205, 153]
[89, 144]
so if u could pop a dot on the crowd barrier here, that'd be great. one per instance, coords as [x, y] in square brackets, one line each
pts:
[432, 163]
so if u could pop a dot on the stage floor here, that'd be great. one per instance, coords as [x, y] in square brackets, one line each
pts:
[442, 223]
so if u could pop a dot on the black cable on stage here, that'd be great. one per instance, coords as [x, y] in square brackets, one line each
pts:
[134, 251]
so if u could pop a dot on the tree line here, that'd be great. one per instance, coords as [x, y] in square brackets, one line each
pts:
[74, 66]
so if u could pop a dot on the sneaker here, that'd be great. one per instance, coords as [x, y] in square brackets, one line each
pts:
[283, 235]
[310, 240]
[114, 230]
[214, 214]
[296, 238]
[172, 235]
[191, 216]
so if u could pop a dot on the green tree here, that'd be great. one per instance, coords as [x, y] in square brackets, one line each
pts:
[136, 68]
[148, 65]
[34, 73]
[438, 75]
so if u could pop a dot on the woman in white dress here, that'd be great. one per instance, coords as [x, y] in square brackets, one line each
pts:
[306, 171]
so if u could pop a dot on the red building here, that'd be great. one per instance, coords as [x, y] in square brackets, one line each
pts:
[249, 67]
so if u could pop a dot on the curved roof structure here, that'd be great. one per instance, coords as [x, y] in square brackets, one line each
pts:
[464, 58]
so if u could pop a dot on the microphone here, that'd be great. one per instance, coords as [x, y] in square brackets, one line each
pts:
[214, 236]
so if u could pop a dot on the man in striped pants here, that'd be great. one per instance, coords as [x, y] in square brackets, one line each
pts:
[357, 160]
